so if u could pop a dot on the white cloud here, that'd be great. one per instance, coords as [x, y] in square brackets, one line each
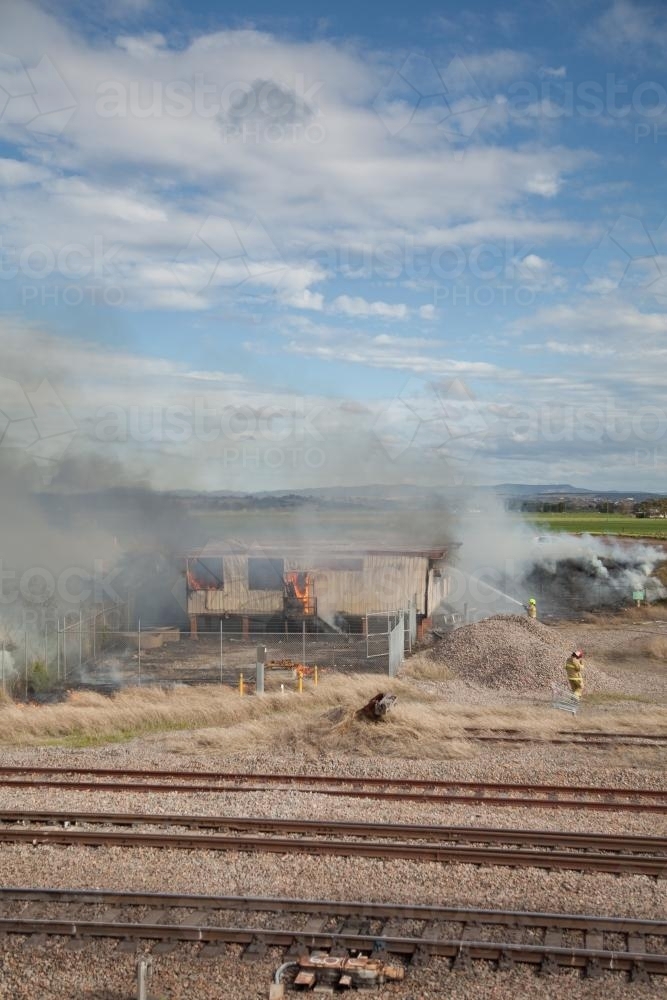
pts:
[553, 72]
[143, 47]
[610, 317]
[589, 350]
[540, 274]
[546, 184]
[162, 163]
[632, 29]
[358, 306]
[303, 299]
[16, 173]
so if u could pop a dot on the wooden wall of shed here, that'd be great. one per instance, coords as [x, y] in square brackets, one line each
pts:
[438, 586]
[236, 598]
[386, 583]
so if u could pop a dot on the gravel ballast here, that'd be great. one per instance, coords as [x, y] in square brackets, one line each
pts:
[511, 652]
[101, 972]
[181, 974]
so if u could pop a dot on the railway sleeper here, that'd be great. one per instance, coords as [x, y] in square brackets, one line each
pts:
[421, 957]
[593, 969]
[549, 966]
[462, 962]
[638, 973]
[254, 951]
[505, 962]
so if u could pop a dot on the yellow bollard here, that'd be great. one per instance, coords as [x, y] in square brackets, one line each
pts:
[241, 684]
[299, 683]
[315, 676]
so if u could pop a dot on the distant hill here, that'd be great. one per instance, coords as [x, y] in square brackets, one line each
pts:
[533, 489]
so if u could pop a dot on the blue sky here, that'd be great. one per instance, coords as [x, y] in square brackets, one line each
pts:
[254, 249]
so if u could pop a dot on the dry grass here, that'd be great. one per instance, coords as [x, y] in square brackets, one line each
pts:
[637, 647]
[647, 612]
[656, 648]
[87, 718]
[423, 667]
[411, 731]
[421, 726]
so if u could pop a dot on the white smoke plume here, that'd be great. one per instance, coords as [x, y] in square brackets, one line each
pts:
[503, 561]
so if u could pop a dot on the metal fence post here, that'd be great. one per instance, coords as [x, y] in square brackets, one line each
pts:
[58, 647]
[65, 647]
[139, 647]
[25, 658]
[260, 657]
[80, 638]
[144, 974]
[221, 650]
[3, 664]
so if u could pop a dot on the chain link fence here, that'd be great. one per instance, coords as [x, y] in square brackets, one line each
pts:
[91, 652]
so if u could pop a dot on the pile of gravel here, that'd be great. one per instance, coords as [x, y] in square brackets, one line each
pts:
[511, 652]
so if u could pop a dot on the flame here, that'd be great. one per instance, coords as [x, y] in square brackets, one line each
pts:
[300, 586]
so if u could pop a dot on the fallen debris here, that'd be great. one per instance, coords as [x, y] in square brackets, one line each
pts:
[325, 971]
[377, 707]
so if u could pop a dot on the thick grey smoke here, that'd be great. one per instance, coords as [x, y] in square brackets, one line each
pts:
[91, 539]
[503, 561]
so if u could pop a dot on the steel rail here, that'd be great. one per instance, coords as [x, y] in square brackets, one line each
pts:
[572, 733]
[407, 831]
[535, 954]
[342, 908]
[609, 804]
[564, 738]
[315, 779]
[614, 863]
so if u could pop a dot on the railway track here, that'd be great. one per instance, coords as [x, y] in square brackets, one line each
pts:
[388, 789]
[564, 737]
[630, 844]
[413, 933]
[514, 848]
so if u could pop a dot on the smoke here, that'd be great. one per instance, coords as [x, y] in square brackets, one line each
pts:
[95, 537]
[7, 670]
[503, 561]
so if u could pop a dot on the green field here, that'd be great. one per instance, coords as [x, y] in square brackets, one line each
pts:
[602, 524]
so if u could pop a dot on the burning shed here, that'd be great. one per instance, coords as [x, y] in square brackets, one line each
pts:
[326, 586]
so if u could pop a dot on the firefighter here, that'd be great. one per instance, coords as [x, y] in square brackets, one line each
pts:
[531, 608]
[573, 669]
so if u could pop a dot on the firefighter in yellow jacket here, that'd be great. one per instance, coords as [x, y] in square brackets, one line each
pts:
[531, 608]
[573, 669]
